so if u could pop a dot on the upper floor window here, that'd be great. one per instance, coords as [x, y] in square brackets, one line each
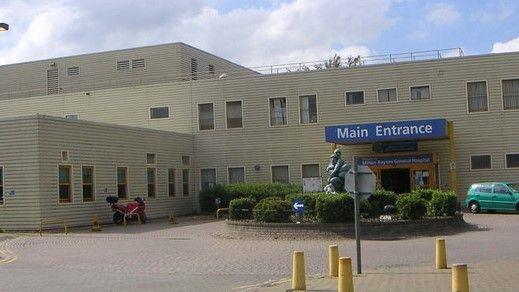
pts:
[194, 69]
[386, 95]
[480, 162]
[477, 96]
[151, 158]
[205, 116]
[123, 65]
[159, 112]
[354, 97]
[510, 94]
[138, 63]
[420, 92]
[186, 160]
[512, 160]
[278, 111]
[308, 109]
[73, 71]
[233, 111]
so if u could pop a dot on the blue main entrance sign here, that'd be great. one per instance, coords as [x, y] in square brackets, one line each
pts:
[387, 131]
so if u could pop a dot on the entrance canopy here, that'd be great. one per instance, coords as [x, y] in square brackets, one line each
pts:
[387, 131]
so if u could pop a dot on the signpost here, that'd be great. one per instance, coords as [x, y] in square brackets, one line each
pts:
[299, 207]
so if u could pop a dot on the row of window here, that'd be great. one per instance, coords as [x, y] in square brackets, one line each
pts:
[122, 182]
[484, 161]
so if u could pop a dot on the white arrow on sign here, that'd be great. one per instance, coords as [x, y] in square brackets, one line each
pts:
[297, 206]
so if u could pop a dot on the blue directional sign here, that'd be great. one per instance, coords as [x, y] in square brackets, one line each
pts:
[298, 206]
[387, 131]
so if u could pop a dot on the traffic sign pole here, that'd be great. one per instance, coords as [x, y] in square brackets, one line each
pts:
[357, 214]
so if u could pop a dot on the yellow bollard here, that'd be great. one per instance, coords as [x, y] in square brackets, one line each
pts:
[345, 275]
[298, 271]
[441, 255]
[333, 260]
[460, 278]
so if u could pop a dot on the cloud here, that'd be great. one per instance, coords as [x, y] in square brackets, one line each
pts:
[442, 14]
[509, 46]
[493, 12]
[284, 32]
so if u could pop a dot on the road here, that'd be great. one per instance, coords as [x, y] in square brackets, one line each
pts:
[188, 257]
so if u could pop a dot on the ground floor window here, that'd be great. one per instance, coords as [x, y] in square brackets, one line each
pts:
[185, 182]
[480, 162]
[310, 170]
[152, 182]
[512, 160]
[280, 174]
[171, 182]
[65, 186]
[236, 174]
[207, 178]
[1, 185]
[122, 182]
[87, 177]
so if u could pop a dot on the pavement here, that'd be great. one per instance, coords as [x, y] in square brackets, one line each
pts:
[189, 257]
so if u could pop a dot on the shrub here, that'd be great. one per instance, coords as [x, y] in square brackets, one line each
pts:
[442, 204]
[240, 209]
[208, 196]
[309, 200]
[411, 206]
[273, 209]
[334, 208]
[425, 194]
[375, 204]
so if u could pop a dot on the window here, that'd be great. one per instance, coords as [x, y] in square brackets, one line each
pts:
[512, 160]
[151, 158]
[211, 69]
[151, 179]
[65, 185]
[484, 189]
[420, 92]
[387, 95]
[87, 176]
[123, 65]
[73, 71]
[308, 109]
[186, 160]
[205, 116]
[278, 111]
[280, 174]
[480, 162]
[71, 116]
[236, 174]
[171, 182]
[500, 189]
[1, 185]
[159, 112]
[122, 182]
[311, 170]
[510, 94]
[207, 178]
[354, 97]
[194, 69]
[233, 111]
[64, 155]
[185, 182]
[477, 96]
[138, 63]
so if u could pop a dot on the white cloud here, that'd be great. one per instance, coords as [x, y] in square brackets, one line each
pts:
[295, 31]
[442, 14]
[509, 46]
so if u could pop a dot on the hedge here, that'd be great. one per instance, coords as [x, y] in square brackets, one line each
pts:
[373, 207]
[241, 208]
[334, 208]
[308, 199]
[411, 206]
[273, 209]
[425, 194]
[442, 204]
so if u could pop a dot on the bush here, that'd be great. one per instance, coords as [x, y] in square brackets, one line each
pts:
[442, 204]
[425, 194]
[273, 209]
[309, 200]
[241, 209]
[411, 206]
[332, 208]
[374, 206]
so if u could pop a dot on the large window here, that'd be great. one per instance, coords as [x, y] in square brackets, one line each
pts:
[278, 111]
[387, 95]
[420, 92]
[159, 112]
[308, 109]
[354, 97]
[205, 116]
[236, 174]
[1, 185]
[280, 174]
[65, 184]
[512, 160]
[233, 111]
[122, 182]
[207, 178]
[480, 162]
[477, 96]
[151, 178]
[87, 176]
[185, 182]
[310, 170]
[510, 94]
[171, 182]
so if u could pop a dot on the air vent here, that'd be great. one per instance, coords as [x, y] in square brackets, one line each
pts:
[194, 69]
[52, 81]
[211, 69]
[123, 65]
[138, 63]
[73, 71]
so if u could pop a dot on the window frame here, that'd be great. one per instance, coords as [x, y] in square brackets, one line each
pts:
[174, 182]
[188, 182]
[467, 96]
[93, 183]
[270, 112]
[198, 116]
[159, 106]
[420, 85]
[208, 168]
[237, 166]
[480, 169]
[71, 184]
[386, 88]
[272, 172]
[225, 114]
[506, 160]
[354, 104]
[316, 108]
[155, 186]
[308, 163]
[127, 181]
[502, 94]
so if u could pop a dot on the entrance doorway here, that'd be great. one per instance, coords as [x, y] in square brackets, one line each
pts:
[395, 179]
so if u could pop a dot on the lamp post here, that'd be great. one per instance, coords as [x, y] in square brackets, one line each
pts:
[4, 26]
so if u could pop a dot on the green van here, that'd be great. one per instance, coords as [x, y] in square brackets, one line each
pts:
[497, 196]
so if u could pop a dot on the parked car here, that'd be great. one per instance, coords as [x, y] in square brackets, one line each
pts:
[499, 196]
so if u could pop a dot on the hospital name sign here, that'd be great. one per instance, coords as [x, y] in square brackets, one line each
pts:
[387, 131]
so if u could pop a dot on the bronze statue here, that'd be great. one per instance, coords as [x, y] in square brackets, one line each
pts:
[337, 170]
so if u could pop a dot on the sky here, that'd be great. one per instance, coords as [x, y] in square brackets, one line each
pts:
[257, 33]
